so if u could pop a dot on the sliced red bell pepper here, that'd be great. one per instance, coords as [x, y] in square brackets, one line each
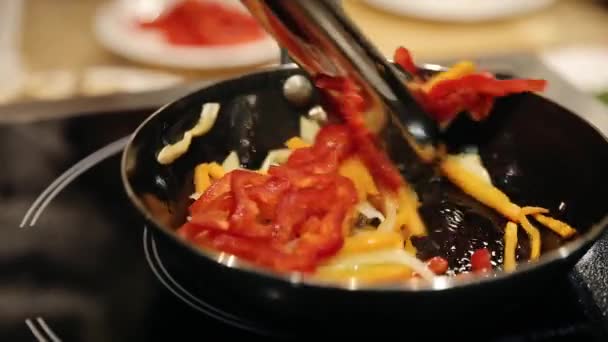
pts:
[288, 219]
[474, 93]
[403, 57]
[346, 99]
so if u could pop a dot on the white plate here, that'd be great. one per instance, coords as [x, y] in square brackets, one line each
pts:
[584, 66]
[460, 10]
[114, 28]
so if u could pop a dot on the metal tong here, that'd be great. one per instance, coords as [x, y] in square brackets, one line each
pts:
[321, 39]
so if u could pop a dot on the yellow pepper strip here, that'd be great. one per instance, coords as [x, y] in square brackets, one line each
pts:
[559, 227]
[369, 241]
[479, 189]
[216, 171]
[509, 263]
[456, 71]
[295, 143]
[354, 169]
[203, 173]
[201, 178]
[407, 213]
[533, 211]
[533, 235]
[364, 274]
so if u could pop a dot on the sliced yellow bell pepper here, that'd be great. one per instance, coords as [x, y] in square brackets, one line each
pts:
[364, 274]
[534, 236]
[479, 189]
[201, 178]
[354, 169]
[533, 211]
[407, 213]
[456, 71]
[509, 263]
[295, 143]
[368, 241]
[203, 174]
[561, 228]
[216, 171]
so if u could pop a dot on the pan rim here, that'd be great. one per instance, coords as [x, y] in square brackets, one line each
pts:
[439, 283]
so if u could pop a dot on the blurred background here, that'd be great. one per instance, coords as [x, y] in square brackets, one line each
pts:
[139, 51]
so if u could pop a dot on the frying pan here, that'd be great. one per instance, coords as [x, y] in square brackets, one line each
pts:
[536, 151]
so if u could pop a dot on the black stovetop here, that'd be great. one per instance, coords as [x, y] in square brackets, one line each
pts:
[79, 265]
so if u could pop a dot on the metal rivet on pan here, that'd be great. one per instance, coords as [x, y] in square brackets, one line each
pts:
[318, 114]
[297, 89]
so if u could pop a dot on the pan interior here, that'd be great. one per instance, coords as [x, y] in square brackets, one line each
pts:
[537, 152]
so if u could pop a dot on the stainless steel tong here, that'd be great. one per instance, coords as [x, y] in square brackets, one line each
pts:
[321, 39]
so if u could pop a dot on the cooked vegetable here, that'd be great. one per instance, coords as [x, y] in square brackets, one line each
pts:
[438, 265]
[216, 171]
[533, 235]
[344, 97]
[458, 70]
[533, 210]
[333, 206]
[365, 274]
[308, 129]
[231, 162]
[201, 178]
[171, 152]
[472, 162]
[509, 263]
[280, 220]
[390, 210]
[559, 227]
[354, 169]
[479, 188]
[462, 90]
[408, 218]
[383, 257]
[295, 143]
[368, 210]
[275, 157]
[481, 260]
[404, 59]
[370, 241]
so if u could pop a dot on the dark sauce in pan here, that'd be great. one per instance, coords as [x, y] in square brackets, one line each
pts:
[458, 225]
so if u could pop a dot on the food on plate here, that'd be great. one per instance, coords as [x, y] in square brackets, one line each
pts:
[205, 23]
[330, 204]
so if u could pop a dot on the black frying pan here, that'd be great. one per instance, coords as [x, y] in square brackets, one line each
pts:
[536, 151]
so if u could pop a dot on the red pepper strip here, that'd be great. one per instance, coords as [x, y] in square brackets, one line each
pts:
[188, 23]
[257, 252]
[244, 218]
[474, 93]
[213, 192]
[345, 98]
[332, 144]
[438, 265]
[481, 260]
[485, 84]
[403, 57]
[289, 219]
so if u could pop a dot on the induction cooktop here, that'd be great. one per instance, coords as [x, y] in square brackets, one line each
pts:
[79, 264]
